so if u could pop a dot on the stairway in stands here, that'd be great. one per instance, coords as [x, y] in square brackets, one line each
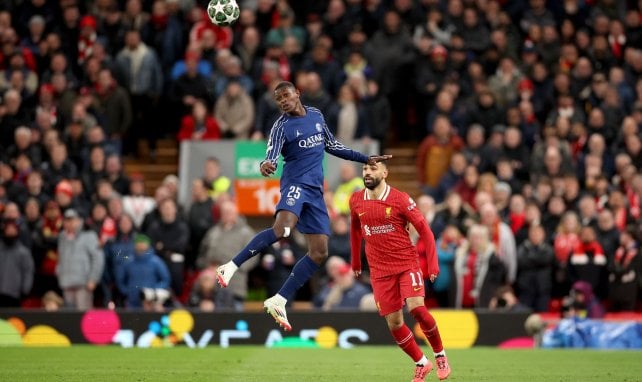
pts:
[166, 163]
[402, 170]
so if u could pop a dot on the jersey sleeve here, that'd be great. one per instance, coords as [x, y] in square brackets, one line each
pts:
[414, 216]
[355, 238]
[338, 149]
[275, 142]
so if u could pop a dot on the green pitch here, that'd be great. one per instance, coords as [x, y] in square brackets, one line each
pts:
[250, 363]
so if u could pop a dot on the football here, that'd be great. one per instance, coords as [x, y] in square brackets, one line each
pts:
[223, 12]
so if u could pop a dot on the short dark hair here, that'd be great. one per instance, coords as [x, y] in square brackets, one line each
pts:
[284, 84]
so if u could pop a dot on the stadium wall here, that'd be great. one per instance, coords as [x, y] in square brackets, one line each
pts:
[459, 329]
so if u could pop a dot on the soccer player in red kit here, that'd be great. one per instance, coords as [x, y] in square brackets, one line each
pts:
[380, 215]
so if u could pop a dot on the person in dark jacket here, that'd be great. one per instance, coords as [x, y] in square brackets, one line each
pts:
[535, 259]
[170, 238]
[118, 252]
[146, 272]
[16, 266]
[624, 273]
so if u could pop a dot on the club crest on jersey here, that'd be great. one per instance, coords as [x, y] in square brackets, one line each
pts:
[388, 212]
[290, 202]
[318, 126]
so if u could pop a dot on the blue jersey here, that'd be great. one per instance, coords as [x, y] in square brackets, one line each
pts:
[302, 142]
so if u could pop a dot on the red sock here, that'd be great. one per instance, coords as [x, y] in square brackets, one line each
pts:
[406, 341]
[429, 327]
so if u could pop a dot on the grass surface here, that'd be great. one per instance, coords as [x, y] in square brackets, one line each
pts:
[250, 363]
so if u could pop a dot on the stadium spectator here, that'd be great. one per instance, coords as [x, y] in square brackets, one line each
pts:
[112, 106]
[435, 153]
[199, 125]
[344, 292]
[16, 264]
[502, 238]
[191, 78]
[143, 78]
[52, 302]
[170, 238]
[118, 252]
[452, 177]
[234, 112]
[221, 242]
[313, 94]
[145, 272]
[230, 71]
[12, 213]
[136, 204]
[94, 171]
[267, 111]
[115, 175]
[479, 272]
[80, 263]
[535, 260]
[350, 183]
[199, 218]
[624, 273]
[350, 117]
[444, 287]
[207, 296]
[378, 113]
[59, 167]
[339, 240]
[588, 262]
[216, 182]
[45, 249]
[23, 145]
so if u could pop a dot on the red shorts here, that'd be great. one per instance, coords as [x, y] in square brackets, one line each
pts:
[391, 292]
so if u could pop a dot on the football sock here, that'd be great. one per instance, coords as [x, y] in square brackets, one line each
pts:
[259, 242]
[302, 271]
[429, 327]
[440, 354]
[406, 341]
[422, 362]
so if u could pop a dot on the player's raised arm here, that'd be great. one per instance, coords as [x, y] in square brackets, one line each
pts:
[418, 221]
[274, 146]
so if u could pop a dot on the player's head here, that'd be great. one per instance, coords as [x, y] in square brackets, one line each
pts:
[286, 96]
[374, 174]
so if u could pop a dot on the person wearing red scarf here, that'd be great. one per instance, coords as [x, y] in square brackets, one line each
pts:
[624, 273]
[588, 262]
[86, 38]
[502, 237]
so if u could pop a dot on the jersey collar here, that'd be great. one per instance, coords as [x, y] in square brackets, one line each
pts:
[383, 196]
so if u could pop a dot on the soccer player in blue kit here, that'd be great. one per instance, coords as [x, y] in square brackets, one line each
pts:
[301, 135]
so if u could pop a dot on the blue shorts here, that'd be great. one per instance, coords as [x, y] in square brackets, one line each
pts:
[308, 205]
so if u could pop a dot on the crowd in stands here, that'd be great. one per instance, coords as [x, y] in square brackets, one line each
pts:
[528, 113]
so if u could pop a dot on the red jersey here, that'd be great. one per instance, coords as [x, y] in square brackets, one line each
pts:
[383, 223]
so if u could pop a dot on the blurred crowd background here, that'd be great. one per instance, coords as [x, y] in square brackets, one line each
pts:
[527, 114]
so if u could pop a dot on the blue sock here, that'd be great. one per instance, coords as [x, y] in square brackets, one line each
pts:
[259, 242]
[303, 270]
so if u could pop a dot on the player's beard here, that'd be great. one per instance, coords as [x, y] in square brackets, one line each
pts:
[371, 183]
